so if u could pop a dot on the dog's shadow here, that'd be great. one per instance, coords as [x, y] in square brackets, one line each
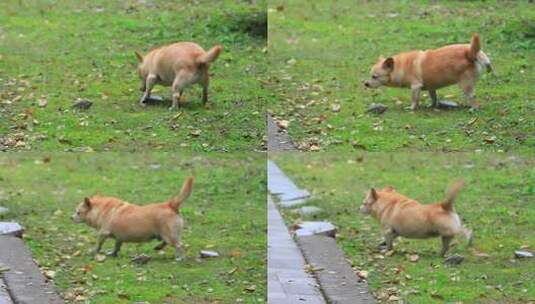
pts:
[159, 101]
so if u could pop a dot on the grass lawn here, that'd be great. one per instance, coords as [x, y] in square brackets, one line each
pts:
[225, 213]
[55, 52]
[497, 203]
[322, 51]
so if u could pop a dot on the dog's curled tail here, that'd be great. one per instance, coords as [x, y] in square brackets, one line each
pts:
[176, 201]
[210, 56]
[451, 194]
[475, 47]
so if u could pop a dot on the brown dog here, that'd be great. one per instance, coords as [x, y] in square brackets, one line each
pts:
[402, 216]
[125, 222]
[433, 69]
[178, 65]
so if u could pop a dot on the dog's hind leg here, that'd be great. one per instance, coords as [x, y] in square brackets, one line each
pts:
[181, 81]
[116, 249]
[445, 244]
[467, 85]
[179, 249]
[149, 84]
[160, 246]
[468, 235]
[205, 82]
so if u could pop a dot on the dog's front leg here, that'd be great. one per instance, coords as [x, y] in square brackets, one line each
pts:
[149, 84]
[390, 236]
[100, 240]
[433, 96]
[416, 89]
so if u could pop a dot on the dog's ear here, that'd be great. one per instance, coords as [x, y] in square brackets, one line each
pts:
[373, 194]
[87, 202]
[139, 56]
[388, 64]
[388, 189]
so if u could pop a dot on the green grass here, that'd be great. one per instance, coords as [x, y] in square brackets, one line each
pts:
[226, 213]
[321, 52]
[64, 50]
[497, 203]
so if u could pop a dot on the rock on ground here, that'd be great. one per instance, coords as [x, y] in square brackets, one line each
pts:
[315, 228]
[11, 228]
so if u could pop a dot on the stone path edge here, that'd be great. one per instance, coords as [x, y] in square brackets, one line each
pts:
[24, 280]
[288, 283]
[338, 282]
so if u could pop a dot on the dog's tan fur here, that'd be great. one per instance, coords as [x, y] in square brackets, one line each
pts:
[125, 222]
[402, 216]
[433, 69]
[178, 65]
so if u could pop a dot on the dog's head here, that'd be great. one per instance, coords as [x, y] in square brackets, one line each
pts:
[368, 203]
[141, 70]
[82, 211]
[380, 73]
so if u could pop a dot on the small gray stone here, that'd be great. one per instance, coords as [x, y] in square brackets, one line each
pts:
[309, 210]
[377, 108]
[11, 228]
[447, 104]
[154, 99]
[3, 210]
[520, 254]
[82, 104]
[141, 259]
[454, 259]
[155, 166]
[209, 254]
[316, 228]
[292, 203]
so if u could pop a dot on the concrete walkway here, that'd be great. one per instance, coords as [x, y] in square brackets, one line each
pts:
[337, 281]
[21, 281]
[24, 280]
[282, 187]
[288, 283]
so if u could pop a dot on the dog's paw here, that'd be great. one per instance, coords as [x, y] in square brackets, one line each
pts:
[382, 246]
[180, 258]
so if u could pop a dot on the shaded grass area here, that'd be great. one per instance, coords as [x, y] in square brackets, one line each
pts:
[225, 213]
[321, 52]
[60, 51]
[497, 203]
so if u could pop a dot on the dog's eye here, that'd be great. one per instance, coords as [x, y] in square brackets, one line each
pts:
[375, 76]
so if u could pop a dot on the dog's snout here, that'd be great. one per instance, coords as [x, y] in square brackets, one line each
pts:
[366, 84]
